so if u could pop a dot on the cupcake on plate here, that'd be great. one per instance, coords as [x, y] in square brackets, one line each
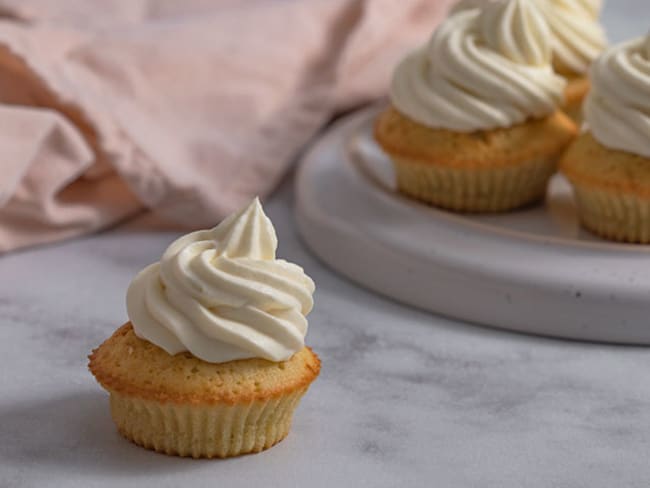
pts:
[213, 361]
[474, 124]
[577, 39]
[609, 164]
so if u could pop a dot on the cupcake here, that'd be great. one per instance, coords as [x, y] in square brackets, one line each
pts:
[577, 39]
[609, 164]
[213, 361]
[474, 124]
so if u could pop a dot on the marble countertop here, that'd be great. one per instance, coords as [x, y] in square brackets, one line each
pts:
[405, 398]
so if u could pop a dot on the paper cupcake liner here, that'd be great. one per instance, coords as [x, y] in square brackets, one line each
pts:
[494, 189]
[615, 216]
[204, 430]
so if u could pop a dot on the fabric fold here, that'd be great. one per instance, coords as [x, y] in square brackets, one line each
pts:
[188, 109]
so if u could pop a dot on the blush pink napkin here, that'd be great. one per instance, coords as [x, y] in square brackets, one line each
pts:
[188, 108]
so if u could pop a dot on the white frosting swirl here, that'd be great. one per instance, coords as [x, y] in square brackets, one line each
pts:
[482, 69]
[222, 295]
[617, 109]
[577, 36]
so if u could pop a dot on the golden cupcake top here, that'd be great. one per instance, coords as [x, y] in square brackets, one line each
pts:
[127, 365]
[484, 68]
[222, 295]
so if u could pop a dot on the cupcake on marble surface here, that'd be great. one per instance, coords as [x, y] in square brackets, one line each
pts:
[213, 361]
[609, 164]
[474, 124]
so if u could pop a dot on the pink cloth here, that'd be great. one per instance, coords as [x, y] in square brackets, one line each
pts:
[188, 108]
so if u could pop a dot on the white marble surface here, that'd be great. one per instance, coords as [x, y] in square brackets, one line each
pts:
[404, 399]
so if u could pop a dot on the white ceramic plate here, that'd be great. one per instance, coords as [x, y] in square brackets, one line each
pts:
[532, 270]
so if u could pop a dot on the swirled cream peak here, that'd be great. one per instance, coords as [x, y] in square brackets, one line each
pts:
[577, 36]
[617, 109]
[590, 8]
[517, 31]
[222, 295]
[483, 68]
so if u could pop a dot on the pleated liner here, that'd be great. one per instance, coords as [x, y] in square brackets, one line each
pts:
[493, 189]
[208, 431]
[615, 216]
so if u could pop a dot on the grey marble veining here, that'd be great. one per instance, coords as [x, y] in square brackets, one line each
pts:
[405, 398]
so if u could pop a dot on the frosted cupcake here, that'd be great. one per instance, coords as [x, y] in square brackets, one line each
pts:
[577, 39]
[474, 124]
[213, 361]
[609, 164]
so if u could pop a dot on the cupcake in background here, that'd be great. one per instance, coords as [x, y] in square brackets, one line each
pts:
[474, 124]
[577, 38]
[609, 164]
[213, 362]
